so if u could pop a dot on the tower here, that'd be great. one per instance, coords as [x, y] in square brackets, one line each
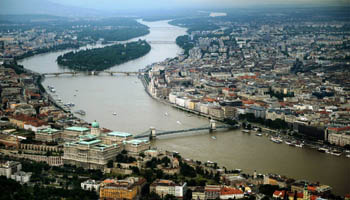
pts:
[95, 129]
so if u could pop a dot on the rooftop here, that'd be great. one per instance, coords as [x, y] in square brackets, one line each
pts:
[76, 128]
[119, 134]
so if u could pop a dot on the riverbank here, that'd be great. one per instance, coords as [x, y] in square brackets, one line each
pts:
[47, 50]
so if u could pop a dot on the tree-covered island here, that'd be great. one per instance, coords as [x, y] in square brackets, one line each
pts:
[99, 59]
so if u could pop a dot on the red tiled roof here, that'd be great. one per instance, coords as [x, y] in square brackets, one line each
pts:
[227, 190]
[339, 129]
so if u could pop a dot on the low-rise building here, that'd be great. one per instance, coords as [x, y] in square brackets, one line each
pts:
[91, 185]
[127, 189]
[21, 177]
[168, 187]
[231, 193]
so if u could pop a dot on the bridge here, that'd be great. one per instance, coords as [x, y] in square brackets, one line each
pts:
[160, 42]
[152, 133]
[94, 73]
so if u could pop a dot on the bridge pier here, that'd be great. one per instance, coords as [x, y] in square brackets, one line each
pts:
[153, 133]
[212, 125]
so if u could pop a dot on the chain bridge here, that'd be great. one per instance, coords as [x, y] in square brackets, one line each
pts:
[94, 73]
[152, 133]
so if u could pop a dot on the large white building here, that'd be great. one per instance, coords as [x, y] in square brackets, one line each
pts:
[89, 152]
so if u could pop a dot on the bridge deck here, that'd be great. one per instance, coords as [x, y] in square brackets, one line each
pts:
[182, 131]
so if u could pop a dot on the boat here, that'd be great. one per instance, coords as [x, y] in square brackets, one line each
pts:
[276, 140]
[348, 156]
[80, 112]
[258, 134]
[335, 153]
[300, 145]
[288, 142]
[245, 131]
[166, 114]
[322, 150]
[213, 137]
[178, 122]
[114, 113]
[70, 104]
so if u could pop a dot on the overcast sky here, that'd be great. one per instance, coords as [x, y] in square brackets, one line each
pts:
[155, 4]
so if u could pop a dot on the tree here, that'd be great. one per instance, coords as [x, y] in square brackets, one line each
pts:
[110, 164]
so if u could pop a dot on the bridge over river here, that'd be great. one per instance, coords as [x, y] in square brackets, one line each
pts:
[152, 133]
[95, 73]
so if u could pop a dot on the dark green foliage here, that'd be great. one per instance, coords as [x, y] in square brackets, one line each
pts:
[268, 190]
[187, 170]
[103, 58]
[13, 190]
[196, 24]
[185, 43]
[45, 50]
[119, 34]
[275, 124]
[123, 158]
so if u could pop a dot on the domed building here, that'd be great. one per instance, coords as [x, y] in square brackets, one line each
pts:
[95, 129]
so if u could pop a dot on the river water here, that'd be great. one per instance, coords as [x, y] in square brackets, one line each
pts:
[102, 95]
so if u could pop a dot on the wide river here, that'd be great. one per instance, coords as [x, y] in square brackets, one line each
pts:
[102, 95]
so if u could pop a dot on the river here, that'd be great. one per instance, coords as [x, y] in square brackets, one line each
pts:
[102, 95]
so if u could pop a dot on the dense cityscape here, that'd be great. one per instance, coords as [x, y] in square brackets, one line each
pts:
[281, 76]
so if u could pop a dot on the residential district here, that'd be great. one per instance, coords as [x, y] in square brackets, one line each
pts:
[291, 77]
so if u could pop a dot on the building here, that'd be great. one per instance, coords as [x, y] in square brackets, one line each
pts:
[116, 137]
[136, 146]
[168, 187]
[21, 177]
[72, 133]
[198, 193]
[91, 185]
[339, 135]
[89, 152]
[48, 135]
[212, 191]
[231, 193]
[127, 189]
[9, 167]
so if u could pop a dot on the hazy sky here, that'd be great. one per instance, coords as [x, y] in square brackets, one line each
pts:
[154, 4]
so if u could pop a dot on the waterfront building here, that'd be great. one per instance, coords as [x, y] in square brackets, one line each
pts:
[116, 137]
[136, 146]
[48, 135]
[168, 187]
[339, 135]
[72, 133]
[127, 189]
[89, 152]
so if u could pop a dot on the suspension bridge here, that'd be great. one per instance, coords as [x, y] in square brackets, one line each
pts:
[94, 73]
[152, 133]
